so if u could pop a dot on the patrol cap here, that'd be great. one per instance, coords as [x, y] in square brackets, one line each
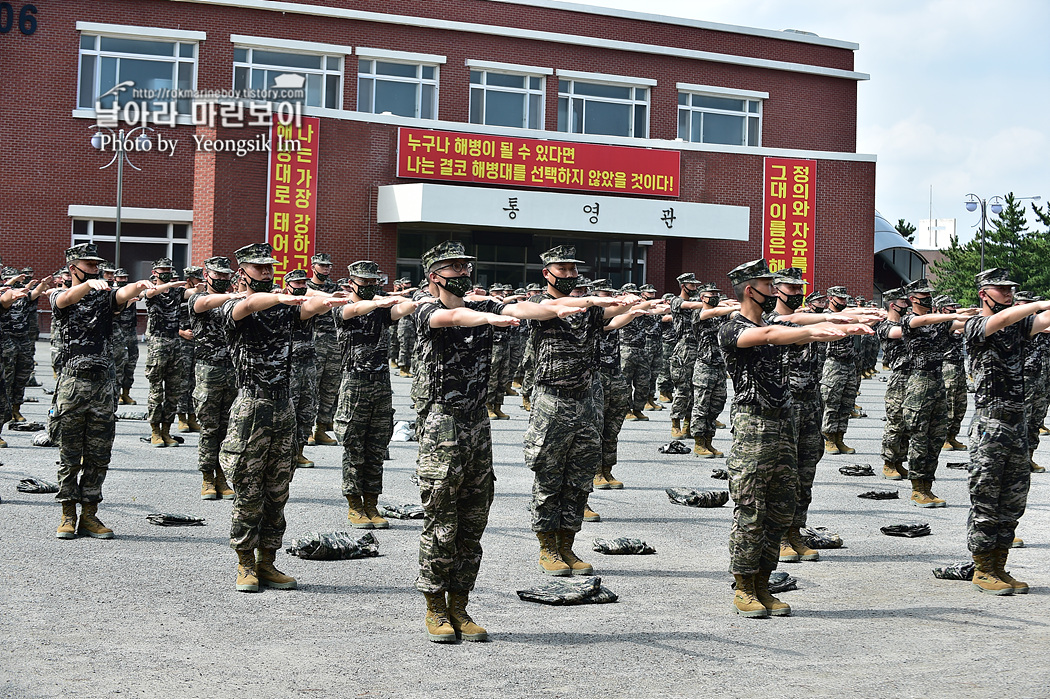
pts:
[667, 297]
[584, 283]
[255, 254]
[218, 264]
[60, 272]
[106, 266]
[603, 285]
[891, 295]
[790, 275]
[519, 291]
[1024, 295]
[340, 282]
[945, 300]
[28, 271]
[629, 288]
[321, 258]
[838, 292]
[448, 250]
[120, 272]
[997, 276]
[84, 251]
[497, 287]
[688, 278]
[8, 272]
[560, 253]
[709, 286]
[647, 287]
[536, 287]
[163, 262]
[193, 271]
[919, 286]
[755, 269]
[366, 269]
[296, 275]
[815, 296]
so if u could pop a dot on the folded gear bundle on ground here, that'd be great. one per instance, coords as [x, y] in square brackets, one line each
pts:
[25, 426]
[168, 519]
[42, 440]
[674, 447]
[587, 590]
[820, 538]
[779, 581]
[622, 546]
[334, 546]
[132, 415]
[406, 511]
[907, 530]
[720, 474]
[857, 470]
[963, 570]
[958, 465]
[404, 432]
[697, 498]
[36, 485]
[881, 495]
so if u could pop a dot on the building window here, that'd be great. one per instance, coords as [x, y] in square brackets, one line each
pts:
[140, 243]
[506, 99]
[151, 64]
[726, 119]
[256, 69]
[402, 89]
[603, 109]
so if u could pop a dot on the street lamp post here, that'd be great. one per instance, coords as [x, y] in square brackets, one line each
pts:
[120, 142]
[997, 208]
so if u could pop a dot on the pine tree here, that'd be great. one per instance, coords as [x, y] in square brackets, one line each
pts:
[906, 230]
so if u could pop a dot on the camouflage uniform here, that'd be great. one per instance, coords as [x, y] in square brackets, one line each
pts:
[326, 345]
[683, 361]
[84, 398]
[406, 342]
[562, 444]
[762, 463]
[654, 349]
[8, 355]
[635, 362]
[954, 372]
[613, 403]
[215, 388]
[895, 356]
[164, 364]
[838, 385]
[420, 380]
[1000, 473]
[668, 340]
[519, 337]
[1035, 386]
[456, 479]
[188, 354]
[364, 420]
[925, 408]
[128, 322]
[19, 334]
[709, 377]
[304, 379]
[499, 369]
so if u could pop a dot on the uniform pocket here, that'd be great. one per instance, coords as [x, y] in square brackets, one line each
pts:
[438, 446]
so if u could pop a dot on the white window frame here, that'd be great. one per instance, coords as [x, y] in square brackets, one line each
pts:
[748, 96]
[573, 77]
[419, 60]
[295, 48]
[486, 68]
[170, 240]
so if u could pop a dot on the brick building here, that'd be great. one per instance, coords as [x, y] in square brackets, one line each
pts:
[717, 99]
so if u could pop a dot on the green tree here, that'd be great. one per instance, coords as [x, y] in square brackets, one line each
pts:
[906, 230]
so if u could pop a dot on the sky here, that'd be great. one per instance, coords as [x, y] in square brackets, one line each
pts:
[959, 95]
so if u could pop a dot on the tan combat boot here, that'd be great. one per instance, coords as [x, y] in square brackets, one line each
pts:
[320, 437]
[369, 501]
[247, 579]
[719, 425]
[359, 519]
[685, 427]
[3, 444]
[985, 577]
[744, 601]
[90, 524]
[551, 562]
[1018, 543]
[600, 483]
[640, 416]
[787, 552]
[664, 398]
[156, 439]
[183, 425]
[773, 605]
[1020, 588]
[954, 444]
[566, 538]
[465, 627]
[208, 491]
[498, 411]
[491, 411]
[301, 461]
[16, 415]
[268, 575]
[700, 448]
[630, 415]
[165, 433]
[891, 472]
[439, 629]
[676, 428]
[843, 449]
[830, 445]
[509, 391]
[515, 384]
[653, 404]
[1043, 429]
[191, 420]
[711, 447]
[590, 515]
[67, 528]
[922, 496]
[125, 397]
[613, 483]
[404, 372]
[1036, 468]
[805, 553]
[221, 486]
[526, 405]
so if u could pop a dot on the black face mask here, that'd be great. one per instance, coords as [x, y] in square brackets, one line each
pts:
[711, 301]
[86, 276]
[768, 303]
[298, 292]
[67, 283]
[164, 277]
[996, 306]
[260, 285]
[793, 301]
[564, 285]
[120, 285]
[368, 291]
[900, 310]
[817, 309]
[457, 286]
[693, 294]
[322, 277]
[924, 303]
[221, 286]
[17, 285]
[835, 307]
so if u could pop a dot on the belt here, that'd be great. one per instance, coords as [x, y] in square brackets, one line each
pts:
[265, 393]
[90, 374]
[768, 413]
[369, 375]
[565, 393]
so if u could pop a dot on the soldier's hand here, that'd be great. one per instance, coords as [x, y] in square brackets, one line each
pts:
[566, 311]
[332, 301]
[501, 321]
[825, 332]
[388, 301]
[607, 301]
[340, 295]
[143, 285]
[631, 299]
[858, 329]
[17, 294]
[99, 284]
[289, 300]
[968, 312]
[186, 334]
[200, 288]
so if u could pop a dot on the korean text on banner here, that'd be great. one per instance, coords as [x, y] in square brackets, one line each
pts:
[530, 162]
[789, 214]
[291, 217]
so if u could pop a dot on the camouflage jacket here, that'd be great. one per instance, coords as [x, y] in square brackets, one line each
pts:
[997, 363]
[760, 376]
[894, 352]
[209, 331]
[163, 313]
[324, 323]
[261, 345]
[925, 343]
[366, 341]
[566, 348]
[86, 330]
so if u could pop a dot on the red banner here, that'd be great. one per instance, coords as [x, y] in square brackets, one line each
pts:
[789, 215]
[530, 162]
[291, 212]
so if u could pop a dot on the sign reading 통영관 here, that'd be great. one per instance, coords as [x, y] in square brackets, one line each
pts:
[789, 214]
[291, 211]
[530, 162]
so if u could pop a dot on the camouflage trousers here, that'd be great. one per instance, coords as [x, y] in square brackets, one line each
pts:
[456, 488]
[838, 388]
[1035, 403]
[610, 399]
[763, 482]
[128, 377]
[894, 436]
[809, 443]
[682, 362]
[120, 354]
[188, 355]
[1000, 476]
[499, 373]
[925, 422]
[955, 388]
[5, 407]
[653, 350]
[528, 370]
[663, 377]
[517, 353]
[257, 456]
[364, 423]
[85, 425]
[164, 371]
[709, 397]
[406, 340]
[8, 360]
[23, 367]
[563, 448]
[214, 392]
[634, 364]
[56, 356]
[329, 376]
[304, 397]
[393, 345]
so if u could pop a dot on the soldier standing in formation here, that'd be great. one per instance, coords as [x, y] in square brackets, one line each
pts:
[188, 344]
[684, 357]
[839, 383]
[954, 371]
[127, 321]
[304, 369]
[406, 338]
[1037, 355]
[18, 321]
[8, 297]
[895, 357]
[709, 371]
[636, 361]
[328, 355]
[164, 365]
[499, 366]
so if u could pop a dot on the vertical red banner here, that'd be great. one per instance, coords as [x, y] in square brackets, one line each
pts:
[291, 212]
[789, 214]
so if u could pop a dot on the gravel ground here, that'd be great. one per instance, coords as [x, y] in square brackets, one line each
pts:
[154, 611]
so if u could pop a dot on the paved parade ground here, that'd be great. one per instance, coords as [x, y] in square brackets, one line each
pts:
[154, 613]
